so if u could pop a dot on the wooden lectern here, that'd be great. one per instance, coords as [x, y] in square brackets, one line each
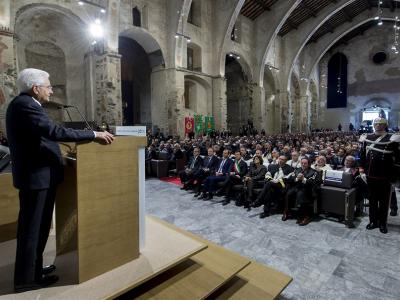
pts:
[97, 205]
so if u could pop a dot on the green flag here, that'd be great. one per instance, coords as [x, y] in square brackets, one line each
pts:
[198, 123]
[209, 124]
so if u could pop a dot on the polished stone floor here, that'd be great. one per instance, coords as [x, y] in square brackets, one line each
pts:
[326, 259]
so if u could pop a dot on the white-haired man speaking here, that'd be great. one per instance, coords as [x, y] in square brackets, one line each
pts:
[37, 170]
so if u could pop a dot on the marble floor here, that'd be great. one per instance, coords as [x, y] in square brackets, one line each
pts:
[326, 259]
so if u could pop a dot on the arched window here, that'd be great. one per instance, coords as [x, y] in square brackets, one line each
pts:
[136, 17]
[337, 81]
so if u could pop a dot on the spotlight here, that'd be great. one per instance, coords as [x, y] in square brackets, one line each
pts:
[103, 11]
[233, 55]
[376, 18]
[96, 29]
[81, 3]
[380, 22]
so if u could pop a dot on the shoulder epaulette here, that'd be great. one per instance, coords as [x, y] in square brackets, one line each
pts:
[363, 137]
[395, 138]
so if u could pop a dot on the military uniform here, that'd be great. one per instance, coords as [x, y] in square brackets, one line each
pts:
[379, 157]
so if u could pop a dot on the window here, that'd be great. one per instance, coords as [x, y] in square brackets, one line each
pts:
[194, 60]
[337, 81]
[136, 17]
[194, 16]
[190, 59]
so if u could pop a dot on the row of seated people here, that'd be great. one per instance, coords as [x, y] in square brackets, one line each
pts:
[280, 184]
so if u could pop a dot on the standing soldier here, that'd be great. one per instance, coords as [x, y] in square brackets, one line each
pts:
[379, 154]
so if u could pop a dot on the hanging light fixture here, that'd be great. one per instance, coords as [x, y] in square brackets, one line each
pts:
[379, 13]
[396, 27]
[339, 79]
[181, 34]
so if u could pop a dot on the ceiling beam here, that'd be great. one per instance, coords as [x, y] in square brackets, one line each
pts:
[347, 16]
[262, 4]
[369, 4]
[291, 25]
[392, 5]
[307, 8]
[329, 26]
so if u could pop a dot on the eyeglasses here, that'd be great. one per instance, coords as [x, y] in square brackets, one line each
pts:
[49, 87]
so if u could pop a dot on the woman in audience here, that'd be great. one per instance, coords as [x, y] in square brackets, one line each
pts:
[254, 179]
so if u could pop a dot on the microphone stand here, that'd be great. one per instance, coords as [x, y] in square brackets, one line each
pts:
[65, 107]
[83, 118]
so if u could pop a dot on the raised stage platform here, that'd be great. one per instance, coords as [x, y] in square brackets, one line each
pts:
[164, 249]
[175, 264]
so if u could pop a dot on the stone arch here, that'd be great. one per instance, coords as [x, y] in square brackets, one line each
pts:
[148, 42]
[198, 95]
[48, 33]
[141, 55]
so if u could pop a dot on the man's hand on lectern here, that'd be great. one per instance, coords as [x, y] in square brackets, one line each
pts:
[103, 137]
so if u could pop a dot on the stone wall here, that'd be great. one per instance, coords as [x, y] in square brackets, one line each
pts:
[368, 83]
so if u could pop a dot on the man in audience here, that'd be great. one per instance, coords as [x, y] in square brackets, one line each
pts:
[188, 175]
[359, 182]
[295, 162]
[222, 172]
[210, 164]
[302, 183]
[274, 185]
[238, 171]
[338, 161]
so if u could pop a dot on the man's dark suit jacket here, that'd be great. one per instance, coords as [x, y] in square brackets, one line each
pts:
[35, 155]
[195, 169]
[242, 167]
[227, 167]
[211, 163]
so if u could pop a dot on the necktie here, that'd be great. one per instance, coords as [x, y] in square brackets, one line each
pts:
[221, 166]
[192, 165]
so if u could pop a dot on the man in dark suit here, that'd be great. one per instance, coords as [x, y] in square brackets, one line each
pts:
[302, 183]
[37, 169]
[223, 170]
[274, 185]
[188, 175]
[210, 165]
[235, 177]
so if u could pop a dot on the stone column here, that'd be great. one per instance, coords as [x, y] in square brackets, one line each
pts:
[90, 85]
[284, 119]
[8, 71]
[271, 108]
[108, 102]
[167, 96]
[259, 108]
[219, 109]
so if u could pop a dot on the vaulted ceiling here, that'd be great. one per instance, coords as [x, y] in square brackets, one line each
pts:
[310, 8]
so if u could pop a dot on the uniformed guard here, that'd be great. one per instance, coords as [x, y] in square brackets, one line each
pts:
[379, 155]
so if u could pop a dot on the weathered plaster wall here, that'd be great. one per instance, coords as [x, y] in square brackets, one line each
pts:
[368, 83]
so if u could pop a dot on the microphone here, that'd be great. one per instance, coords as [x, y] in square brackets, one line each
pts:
[61, 106]
[64, 106]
